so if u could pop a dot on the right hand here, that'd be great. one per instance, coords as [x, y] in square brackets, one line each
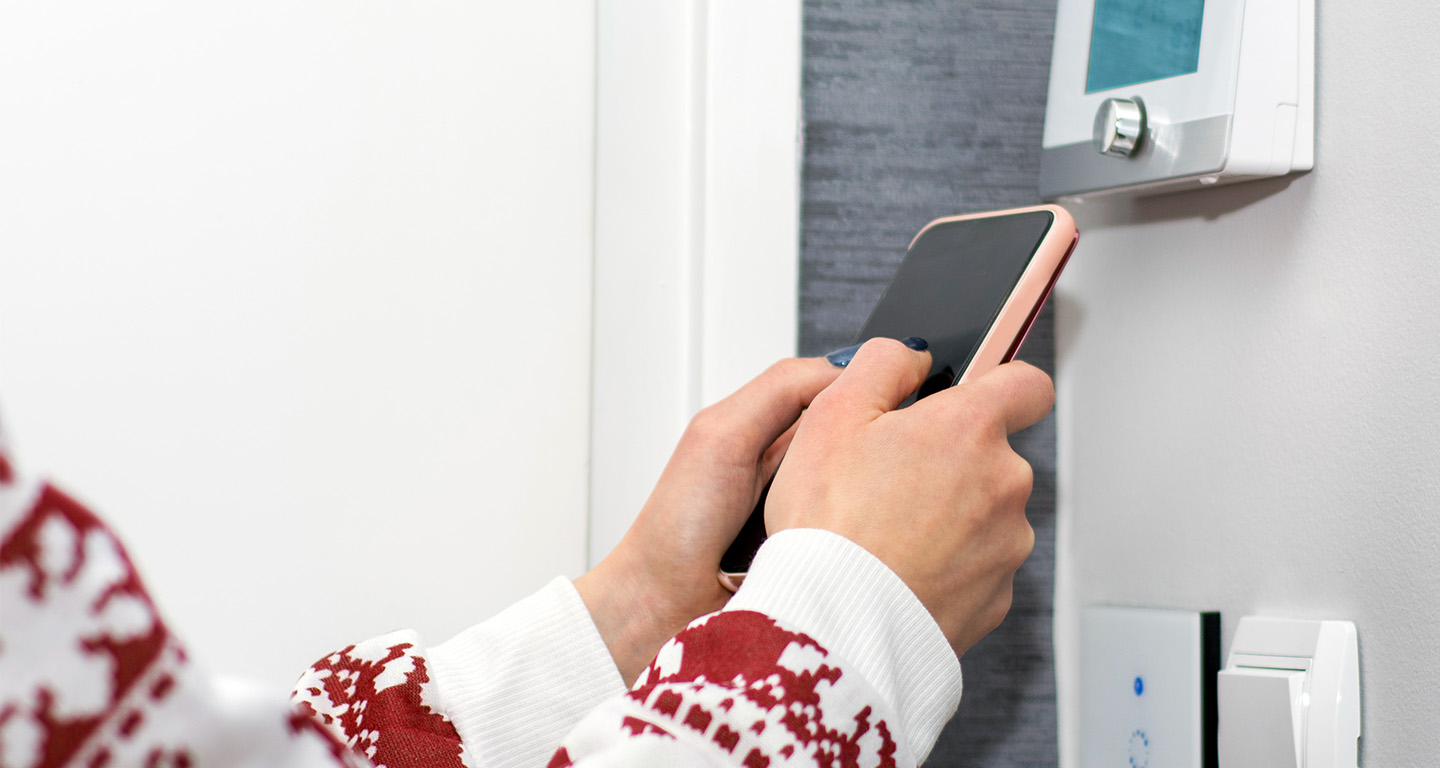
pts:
[934, 490]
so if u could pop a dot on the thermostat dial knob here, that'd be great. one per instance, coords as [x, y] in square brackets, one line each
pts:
[1119, 126]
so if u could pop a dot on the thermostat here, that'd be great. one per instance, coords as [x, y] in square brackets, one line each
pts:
[1158, 95]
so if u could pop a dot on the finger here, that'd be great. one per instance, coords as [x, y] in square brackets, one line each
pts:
[882, 375]
[1018, 393]
[770, 460]
[762, 410]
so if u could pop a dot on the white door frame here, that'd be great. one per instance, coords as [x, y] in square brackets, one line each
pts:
[697, 181]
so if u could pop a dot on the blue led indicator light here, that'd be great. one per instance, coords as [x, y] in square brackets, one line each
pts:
[1139, 686]
[1139, 750]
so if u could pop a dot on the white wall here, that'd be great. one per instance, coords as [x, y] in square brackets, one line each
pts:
[298, 294]
[697, 244]
[1248, 383]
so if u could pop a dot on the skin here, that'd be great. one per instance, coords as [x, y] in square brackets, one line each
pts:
[934, 491]
[661, 576]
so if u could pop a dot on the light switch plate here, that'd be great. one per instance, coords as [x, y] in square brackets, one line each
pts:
[1147, 687]
[1314, 720]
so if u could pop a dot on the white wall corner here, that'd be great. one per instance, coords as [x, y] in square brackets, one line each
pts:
[752, 192]
[697, 226]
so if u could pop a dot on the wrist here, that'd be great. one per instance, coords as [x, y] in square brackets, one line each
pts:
[628, 617]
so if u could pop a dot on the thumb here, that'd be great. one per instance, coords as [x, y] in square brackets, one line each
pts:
[1019, 394]
[883, 373]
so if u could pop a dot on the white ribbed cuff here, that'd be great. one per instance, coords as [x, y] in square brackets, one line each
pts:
[513, 686]
[835, 591]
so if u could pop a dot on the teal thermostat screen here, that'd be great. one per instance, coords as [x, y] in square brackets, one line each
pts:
[1136, 41]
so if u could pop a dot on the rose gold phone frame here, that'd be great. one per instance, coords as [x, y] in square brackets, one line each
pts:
[1016, 316]
[1012, 323]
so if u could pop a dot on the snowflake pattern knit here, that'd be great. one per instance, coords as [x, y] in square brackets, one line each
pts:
[738, 689]
[91, 676]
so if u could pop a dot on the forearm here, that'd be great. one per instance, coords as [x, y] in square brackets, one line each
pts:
[630, 609]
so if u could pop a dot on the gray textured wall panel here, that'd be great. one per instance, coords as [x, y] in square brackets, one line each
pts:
[915, 110]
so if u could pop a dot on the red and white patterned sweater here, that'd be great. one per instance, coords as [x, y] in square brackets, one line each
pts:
[824, 658]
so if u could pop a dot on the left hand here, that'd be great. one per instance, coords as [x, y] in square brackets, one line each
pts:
[662, 575]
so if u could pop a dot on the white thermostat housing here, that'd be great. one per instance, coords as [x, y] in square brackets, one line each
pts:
[1147, 687]
[1158, 95]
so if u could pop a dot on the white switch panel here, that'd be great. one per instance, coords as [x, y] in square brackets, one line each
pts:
[1147, 687]
[1290, 695]
[1263, 718]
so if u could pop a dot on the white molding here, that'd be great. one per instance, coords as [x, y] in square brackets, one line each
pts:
[752, 192]
[696, 225]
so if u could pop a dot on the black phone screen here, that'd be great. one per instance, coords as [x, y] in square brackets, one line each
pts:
[949, 289]
[951, 286]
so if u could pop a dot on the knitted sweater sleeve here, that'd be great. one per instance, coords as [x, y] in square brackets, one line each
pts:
[501, 693]
[823, 658]
[91, 675]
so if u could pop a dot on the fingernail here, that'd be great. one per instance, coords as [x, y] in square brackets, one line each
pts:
[841, 357]
[916, 343]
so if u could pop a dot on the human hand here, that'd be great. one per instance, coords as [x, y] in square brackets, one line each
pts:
[934, 490]
[662, 574]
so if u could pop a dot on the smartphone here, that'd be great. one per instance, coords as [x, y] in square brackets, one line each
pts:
[971, 286]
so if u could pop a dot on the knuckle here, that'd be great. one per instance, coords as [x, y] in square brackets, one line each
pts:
[1047, 386]
[835, 405]
[706, 419]
[980, 415]
[829, 399]
[1022, 478]
[1000, 607]
[1011, 476]
[1041, 381]
[786, 369]
[707, 427]
[1035, 387]
[1028, 375]
[1024, 543]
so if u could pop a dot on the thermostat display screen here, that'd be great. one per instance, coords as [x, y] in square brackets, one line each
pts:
[1137, 41]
